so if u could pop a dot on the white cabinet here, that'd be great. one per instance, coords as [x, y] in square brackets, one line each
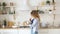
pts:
[24, 31]
[8, 31]
[54, 31]
[49, 31]
[43, 31]
[1, 31]
[15, 31]
[27, 31]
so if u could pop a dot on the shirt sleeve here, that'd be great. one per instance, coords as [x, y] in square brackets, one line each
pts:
[35, 22]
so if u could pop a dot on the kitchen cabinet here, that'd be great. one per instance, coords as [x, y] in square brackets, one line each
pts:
[27, 31]
[54, 31]
[49, 31]
[21, 31]
[24, 31]
[15, 31]
[8, 31]
[1, 31]
[43, 31]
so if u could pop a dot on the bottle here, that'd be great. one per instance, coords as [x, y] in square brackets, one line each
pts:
[14, 11]
[5, 23]
[53, 1]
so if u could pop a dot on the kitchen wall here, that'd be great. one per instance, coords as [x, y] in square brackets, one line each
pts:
[23, 12]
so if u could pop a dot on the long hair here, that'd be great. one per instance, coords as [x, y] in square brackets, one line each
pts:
[35, 14]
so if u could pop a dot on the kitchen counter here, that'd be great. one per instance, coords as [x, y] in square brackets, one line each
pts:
[21, 27]
[15, 31]
[28, 30]
[28, 27]
[14, 28]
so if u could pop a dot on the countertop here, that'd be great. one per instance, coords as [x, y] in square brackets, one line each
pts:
[29, 28]
[14, 28]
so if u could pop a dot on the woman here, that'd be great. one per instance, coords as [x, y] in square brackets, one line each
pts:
[34, 22]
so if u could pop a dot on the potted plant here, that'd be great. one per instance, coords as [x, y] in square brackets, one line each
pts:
[48, 2]
[4, 4]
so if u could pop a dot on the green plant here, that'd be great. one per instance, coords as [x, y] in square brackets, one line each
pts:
[4, 4]
[48, 2]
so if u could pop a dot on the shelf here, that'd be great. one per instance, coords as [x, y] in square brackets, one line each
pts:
[8, 14]
[4, 10]
[7, 6]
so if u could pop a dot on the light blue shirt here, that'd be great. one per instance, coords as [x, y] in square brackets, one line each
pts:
[35, 25]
